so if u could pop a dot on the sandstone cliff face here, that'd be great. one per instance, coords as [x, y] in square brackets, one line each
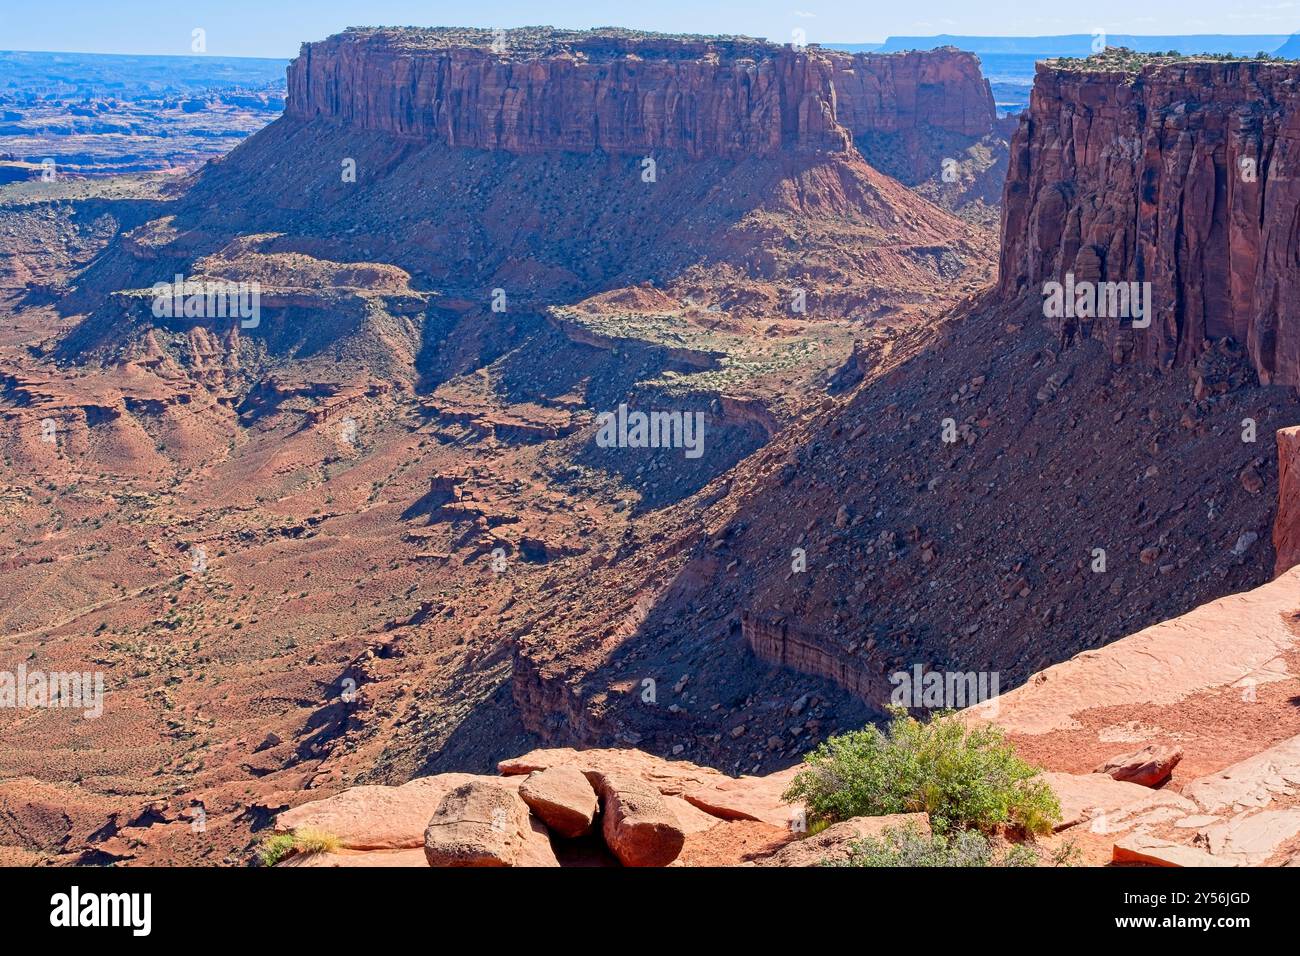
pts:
[623, 92]
[1184, 174]
[809, 653]
[895, 92]
[1286, 528]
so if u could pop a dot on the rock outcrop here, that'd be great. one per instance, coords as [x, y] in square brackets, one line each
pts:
[1286, 528]
[536, 90]
[563, 798]
[1150, 767]
[542, 809]
[1218, 684]
[377, 818]
[639, 827]
[1184, 174]
[485, 823]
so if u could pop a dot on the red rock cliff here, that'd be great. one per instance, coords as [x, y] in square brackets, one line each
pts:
[1286, 528]
[620, 91]
[896, 92]
[1185, 174]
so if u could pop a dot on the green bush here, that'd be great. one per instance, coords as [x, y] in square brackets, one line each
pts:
[963, 777]
[911, 847]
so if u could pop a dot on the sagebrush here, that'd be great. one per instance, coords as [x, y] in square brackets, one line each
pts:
[962, 777]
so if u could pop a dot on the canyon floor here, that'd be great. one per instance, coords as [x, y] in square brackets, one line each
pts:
[347, 624]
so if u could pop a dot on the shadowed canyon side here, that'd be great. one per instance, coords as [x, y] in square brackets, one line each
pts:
[987, 499]
[1182, 174]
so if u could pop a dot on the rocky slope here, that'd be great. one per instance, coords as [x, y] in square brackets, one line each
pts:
[981, 498]
[1204, 701]
[1184, 174]
[976, 554]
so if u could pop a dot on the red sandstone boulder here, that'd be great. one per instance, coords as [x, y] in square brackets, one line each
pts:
[638, 826]
[374, 817]
[563, 798]
[667, 776]
[1150, 766]
[485, 823]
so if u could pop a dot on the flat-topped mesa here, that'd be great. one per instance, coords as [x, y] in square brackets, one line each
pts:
[1184, 173]
[539, 89]
[941, 89]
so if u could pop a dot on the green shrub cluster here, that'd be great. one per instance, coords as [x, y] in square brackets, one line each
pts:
[962, 848]
[962, 777]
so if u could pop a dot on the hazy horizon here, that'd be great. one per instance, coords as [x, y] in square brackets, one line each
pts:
[241, 28]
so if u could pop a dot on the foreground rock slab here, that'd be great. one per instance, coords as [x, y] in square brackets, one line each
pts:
[1253, 782]
[638, 826]
[383, 858]
[1108, 804]
[1250, 839]
[376, 817]
[834, 843]
[1143, 848]
[563, 799]
[748, 798]
[485, 823]
[1234, 641]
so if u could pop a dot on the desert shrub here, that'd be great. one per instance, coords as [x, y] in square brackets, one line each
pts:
[961, 848]
[275, 848]
[963, 777]
[306, 841]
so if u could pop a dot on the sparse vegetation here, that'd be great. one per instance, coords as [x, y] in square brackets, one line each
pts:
[305, 842]
[963, 848]
[962, 777]
[1123, 59]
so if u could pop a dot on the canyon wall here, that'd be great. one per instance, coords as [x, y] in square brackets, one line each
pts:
[620, 91]
[1184, 174]
[896, 92]
[781, 645]
[1286, 527]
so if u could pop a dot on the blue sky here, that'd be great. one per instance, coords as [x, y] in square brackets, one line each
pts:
[277, 27]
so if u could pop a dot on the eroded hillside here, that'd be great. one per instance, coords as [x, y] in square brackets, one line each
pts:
[303, 549]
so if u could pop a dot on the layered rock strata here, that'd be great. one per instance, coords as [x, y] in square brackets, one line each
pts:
[1182, 174]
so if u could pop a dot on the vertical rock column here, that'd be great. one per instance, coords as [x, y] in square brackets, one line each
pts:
[1286, 529]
